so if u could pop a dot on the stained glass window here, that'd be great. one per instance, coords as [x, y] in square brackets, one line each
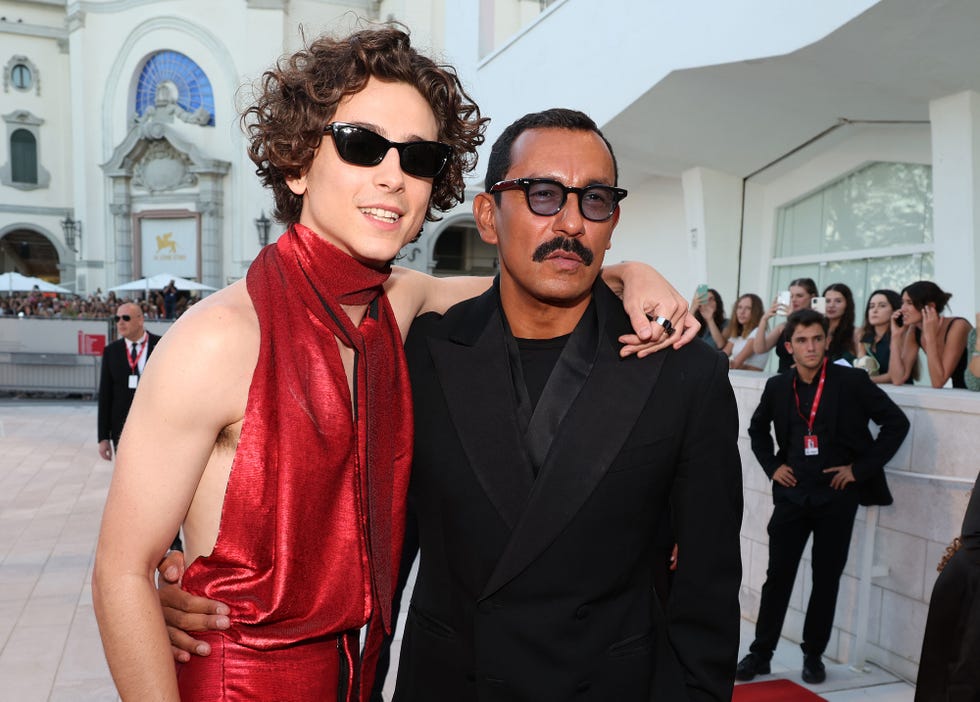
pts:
[192, 86]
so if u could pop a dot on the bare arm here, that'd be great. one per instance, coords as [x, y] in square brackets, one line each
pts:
[747, 351]
[716, 335]
[763, 343]
[191, 389]
[763, 340]
[412, 293]
[942, 354]
[883, 378]
[646, 294]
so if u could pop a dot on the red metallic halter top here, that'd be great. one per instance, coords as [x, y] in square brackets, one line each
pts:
[313, 517]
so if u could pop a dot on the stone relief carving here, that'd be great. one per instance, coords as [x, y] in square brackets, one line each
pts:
[163, 168]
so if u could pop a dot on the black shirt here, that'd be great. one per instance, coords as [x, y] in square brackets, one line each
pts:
[538, 359]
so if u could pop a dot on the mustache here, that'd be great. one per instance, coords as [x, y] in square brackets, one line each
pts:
[564, 244]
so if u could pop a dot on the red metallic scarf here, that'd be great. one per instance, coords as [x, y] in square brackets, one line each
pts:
[313, 519]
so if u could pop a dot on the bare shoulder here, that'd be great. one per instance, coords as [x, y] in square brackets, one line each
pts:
[412, 293]
[208, 357]
[406, 291]
[222, 324]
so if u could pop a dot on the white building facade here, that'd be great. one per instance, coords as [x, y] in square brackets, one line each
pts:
[760, 141]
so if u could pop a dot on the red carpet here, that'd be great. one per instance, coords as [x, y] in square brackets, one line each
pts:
[773, 691]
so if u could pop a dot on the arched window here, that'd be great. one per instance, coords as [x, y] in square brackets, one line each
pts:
[21, 77]
[23, 156]
[174, 72]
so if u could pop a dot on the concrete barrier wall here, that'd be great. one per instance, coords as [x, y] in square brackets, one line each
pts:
[42, 355]
[930, 478]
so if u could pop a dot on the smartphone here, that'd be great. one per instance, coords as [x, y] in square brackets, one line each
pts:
[819, 304]
[899, 321]
[702, 293]
[783, 299]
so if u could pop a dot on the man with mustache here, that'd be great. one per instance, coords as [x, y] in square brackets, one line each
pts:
[544, 464]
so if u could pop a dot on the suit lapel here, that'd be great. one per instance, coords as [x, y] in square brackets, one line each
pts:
[588, 440]
[474, 372]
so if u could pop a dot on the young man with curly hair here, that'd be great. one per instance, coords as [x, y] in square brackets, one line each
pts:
[292, 430]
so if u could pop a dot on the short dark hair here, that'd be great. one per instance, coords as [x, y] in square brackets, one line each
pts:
[555, 118]
[805, 318]
[299, 96]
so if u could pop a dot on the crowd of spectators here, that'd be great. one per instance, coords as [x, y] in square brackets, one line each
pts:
[95, 306]
[896, 328]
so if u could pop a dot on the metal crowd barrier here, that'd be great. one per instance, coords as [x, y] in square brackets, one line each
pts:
[55, 355]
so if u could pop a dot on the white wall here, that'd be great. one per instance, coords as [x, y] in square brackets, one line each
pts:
[651, 39]
[652, 229]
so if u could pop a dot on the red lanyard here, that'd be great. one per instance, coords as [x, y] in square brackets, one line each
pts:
[816, 398]
[134, 364]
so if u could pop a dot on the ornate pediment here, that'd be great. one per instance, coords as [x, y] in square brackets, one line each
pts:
[161, 167]
[159, 159]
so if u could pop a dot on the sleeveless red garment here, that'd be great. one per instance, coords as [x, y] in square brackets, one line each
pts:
[313, 516]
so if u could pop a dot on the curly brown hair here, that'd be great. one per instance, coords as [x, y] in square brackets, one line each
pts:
[299, 96]
[950, 552]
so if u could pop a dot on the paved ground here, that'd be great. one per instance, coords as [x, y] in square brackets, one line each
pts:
[52, 488]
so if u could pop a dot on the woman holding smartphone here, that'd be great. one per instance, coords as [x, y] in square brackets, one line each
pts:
[709, 310]
[801, 292]
[874, 339]
[942, 339]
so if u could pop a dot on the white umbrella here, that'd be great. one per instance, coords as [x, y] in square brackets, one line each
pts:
[12, 281]
[159, 282]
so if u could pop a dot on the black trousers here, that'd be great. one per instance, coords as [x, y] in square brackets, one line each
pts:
[410, 550]
[789, 528]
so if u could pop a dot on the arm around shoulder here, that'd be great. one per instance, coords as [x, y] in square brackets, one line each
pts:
[412, 293]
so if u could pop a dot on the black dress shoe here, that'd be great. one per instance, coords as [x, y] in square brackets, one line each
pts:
[753, 664]
[814, 671]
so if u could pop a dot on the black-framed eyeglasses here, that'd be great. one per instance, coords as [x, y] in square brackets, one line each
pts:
[546, 197]
[362, 147]
[123, 317]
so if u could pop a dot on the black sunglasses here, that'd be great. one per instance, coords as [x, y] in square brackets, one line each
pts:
[362, 147]
[546, 197]
[123, 317]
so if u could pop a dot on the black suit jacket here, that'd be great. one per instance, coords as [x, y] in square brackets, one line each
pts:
[849, 401]
[541, 590]
[115, 395]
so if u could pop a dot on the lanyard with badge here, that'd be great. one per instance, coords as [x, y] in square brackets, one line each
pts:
[810, 445]
[134, 363]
